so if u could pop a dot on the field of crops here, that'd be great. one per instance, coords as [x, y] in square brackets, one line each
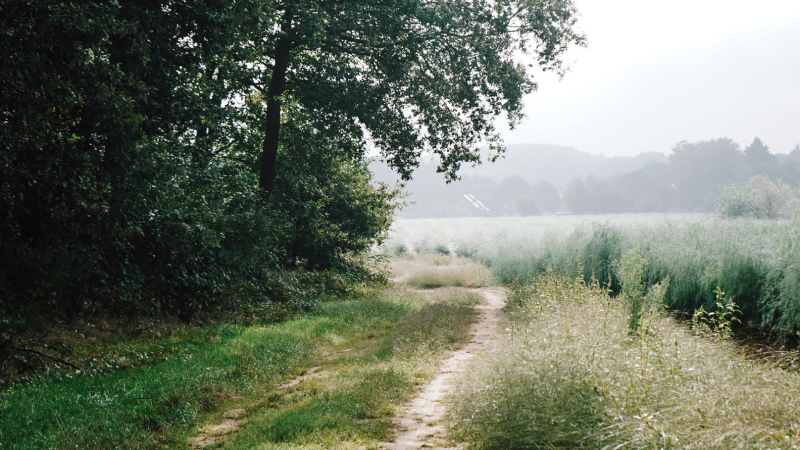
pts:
[756, 262]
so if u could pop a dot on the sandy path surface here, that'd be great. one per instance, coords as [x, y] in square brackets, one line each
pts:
[419, 423]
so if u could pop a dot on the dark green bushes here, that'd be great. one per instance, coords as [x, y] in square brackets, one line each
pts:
[180, 248]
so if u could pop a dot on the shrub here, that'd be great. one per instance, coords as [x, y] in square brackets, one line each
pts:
[736, 201]
[759, 198]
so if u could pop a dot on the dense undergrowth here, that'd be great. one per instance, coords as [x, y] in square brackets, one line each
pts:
[575, 372]
[756, 262]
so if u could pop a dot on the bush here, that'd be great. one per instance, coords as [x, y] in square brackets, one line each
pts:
[759, 198]
[736, 201]
[331, 210]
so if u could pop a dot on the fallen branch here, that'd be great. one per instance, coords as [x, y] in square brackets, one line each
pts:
[27, 350]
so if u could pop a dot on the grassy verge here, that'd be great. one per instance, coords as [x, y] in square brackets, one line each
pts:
[392, 337]
[571, 374]
[151, 406]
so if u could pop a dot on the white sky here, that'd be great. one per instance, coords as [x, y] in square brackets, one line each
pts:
[658, 72]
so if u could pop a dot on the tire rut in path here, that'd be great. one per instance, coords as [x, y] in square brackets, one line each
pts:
[419, 423]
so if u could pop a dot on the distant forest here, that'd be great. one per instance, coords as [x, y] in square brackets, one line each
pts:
[545, 179]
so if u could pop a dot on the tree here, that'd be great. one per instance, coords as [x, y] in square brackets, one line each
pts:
[736, 201]
[772, 200]
[757, 152]
[134, 136]
[759, 198]
[794, 155]
[527, 206]
[594, 195]
[703, 169]
[546, 195]
[111, 193]
[127, 176]
[406, 76]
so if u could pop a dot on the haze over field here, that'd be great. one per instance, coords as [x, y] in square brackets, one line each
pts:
[705, 176]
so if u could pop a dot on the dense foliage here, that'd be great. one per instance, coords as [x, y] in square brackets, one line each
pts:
[415, 76]
[135, 135]
[127, 172]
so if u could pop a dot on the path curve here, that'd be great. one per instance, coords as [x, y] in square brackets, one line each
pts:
[419, 423]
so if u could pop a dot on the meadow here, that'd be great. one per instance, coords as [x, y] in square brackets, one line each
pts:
[756, 262]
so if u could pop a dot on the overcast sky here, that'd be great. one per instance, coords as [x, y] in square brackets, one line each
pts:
[658, 72]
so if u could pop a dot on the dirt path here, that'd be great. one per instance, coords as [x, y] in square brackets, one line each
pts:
[419, 423]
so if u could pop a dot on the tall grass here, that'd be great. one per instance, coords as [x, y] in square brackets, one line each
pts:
[571, 375]
[756, 262]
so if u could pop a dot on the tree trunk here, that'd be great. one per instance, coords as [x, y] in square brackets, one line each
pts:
[277, 85]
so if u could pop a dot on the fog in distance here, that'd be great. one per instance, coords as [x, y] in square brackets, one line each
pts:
[660, 86]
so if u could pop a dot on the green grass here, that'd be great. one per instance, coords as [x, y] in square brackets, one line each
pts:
[152, 406]
[393, 337]
[571, 375]
[352, 403]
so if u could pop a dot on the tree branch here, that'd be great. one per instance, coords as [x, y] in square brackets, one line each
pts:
[27, 350]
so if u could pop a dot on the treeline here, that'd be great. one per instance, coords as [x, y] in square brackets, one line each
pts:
[428, 196]
[693, 179]
[559, 165]
[526, 180]
[130, 170]
[510, 196]
[171, 157]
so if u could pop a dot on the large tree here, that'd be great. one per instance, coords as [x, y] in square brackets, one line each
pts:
[406, 76]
